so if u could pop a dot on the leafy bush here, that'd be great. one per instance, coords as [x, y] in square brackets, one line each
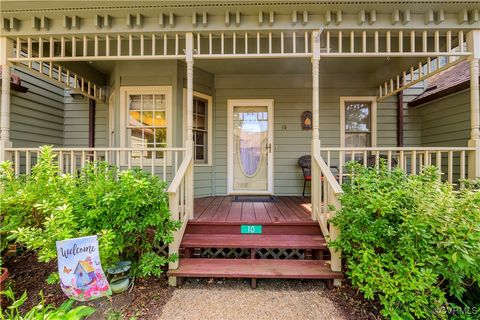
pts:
[128, 211]
[412, 242]
[42, 311]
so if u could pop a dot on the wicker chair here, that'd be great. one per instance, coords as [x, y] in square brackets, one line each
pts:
[305, 162]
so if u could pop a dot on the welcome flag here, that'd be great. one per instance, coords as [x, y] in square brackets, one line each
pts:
[81, 274]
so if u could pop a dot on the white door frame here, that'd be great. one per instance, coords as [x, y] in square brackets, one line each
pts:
[249, 103]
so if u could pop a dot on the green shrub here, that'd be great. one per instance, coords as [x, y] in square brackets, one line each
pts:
[128, 211]
[42, 311]
[412, 242]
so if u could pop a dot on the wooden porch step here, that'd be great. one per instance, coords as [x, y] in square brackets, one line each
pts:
[268, 228]
[253, 241]
[254, 268]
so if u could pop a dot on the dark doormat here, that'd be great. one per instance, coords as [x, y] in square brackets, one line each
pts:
[254, 199]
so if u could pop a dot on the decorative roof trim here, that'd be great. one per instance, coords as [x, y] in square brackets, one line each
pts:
[215, 3]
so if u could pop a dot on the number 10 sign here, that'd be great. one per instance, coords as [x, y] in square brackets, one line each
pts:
[250, 229]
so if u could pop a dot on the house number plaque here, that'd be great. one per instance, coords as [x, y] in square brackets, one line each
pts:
[250, 229]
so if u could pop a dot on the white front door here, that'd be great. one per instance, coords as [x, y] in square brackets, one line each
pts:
[249, 147]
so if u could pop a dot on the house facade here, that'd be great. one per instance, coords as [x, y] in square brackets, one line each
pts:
[211, 96]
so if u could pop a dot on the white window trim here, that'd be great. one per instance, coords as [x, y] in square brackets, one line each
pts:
[124, 131]
[209, 100]
[373, 117]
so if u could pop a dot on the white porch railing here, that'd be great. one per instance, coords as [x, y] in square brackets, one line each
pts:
[452, 162]
[326, 185]
[180, 195]
[163, 162]
[325, 199]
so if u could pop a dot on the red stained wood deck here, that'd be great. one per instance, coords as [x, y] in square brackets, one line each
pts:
[255, 268]
[223, 209]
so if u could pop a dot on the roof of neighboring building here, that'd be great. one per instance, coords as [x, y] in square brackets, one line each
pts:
[452, 80]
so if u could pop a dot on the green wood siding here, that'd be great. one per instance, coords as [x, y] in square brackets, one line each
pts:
[76, 123]
[446, 121]
[37, 115]
[412, 117]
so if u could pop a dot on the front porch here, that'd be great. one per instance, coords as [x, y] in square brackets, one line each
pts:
[178, 123]
[281, 209]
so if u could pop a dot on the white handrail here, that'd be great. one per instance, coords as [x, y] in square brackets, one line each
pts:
[451, 162]
[356, 149]
[95, 149]
[326, 193]
[177, 180]
[159, 161]
[180, 200]
[327, 173]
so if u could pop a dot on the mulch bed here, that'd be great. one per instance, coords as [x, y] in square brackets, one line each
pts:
[147, 297]
[27, 274]
[354, 306]
[144, 301]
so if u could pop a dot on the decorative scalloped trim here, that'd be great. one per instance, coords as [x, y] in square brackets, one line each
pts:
[237, 4]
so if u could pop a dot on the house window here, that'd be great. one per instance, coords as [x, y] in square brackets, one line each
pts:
[200, 129]
[146, 119]
[358, 127]
[358, 123]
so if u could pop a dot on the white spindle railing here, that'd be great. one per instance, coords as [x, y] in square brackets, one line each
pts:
[451, 161]
[252, 44]
[163, 162]
[326, 192]
[94, 47]
[180, 195]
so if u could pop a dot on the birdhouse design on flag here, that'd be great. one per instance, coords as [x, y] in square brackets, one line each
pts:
[84, 274]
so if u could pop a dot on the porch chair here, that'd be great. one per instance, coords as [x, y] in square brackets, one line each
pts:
[305, 162]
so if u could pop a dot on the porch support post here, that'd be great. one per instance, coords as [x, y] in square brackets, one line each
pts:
[6, 49]
[315, 182]
[189, 143]
[473, 44]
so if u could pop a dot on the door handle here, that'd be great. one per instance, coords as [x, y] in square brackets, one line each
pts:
[269, 147]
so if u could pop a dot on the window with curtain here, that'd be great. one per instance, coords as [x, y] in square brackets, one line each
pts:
[358, 124]
[200, 130]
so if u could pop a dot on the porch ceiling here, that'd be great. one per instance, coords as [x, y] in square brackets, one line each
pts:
[375, 69]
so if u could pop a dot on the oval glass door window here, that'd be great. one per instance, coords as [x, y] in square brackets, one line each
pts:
[251, 130]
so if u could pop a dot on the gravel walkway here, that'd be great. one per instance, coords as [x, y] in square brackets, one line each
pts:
[234, 299]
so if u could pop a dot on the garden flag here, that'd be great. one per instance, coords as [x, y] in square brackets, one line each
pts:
[81, 274]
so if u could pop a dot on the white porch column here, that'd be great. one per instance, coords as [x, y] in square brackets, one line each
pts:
[189, 142]
[473, 45]
[315, 83]
[6, 48]
[315, 182]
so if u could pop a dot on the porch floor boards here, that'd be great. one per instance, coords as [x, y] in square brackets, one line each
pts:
[222, 209]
